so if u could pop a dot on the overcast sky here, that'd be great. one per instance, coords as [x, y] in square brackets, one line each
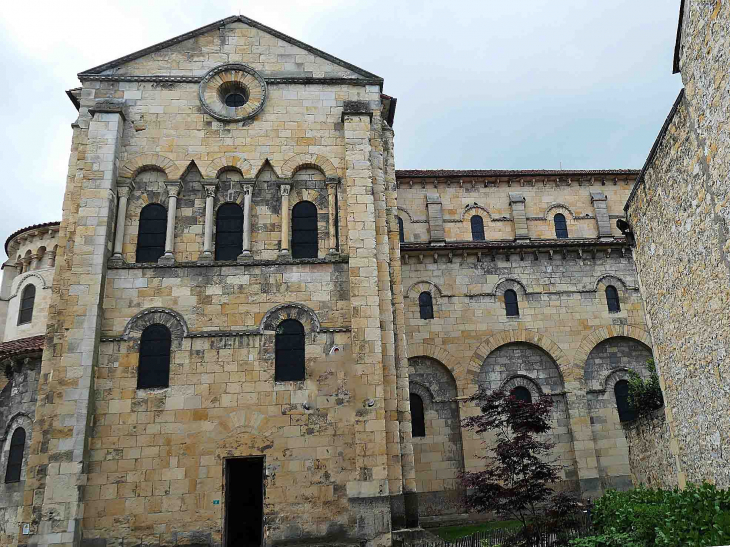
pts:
[487, 84]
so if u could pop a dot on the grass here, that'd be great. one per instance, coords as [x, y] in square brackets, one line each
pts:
[450, 533]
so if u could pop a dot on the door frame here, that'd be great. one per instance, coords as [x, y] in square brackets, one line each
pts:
[226, 471]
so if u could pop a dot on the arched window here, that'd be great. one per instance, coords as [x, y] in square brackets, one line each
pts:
[612, 299]
[228, 232]
[477, 228]
[521, 393]
[510, 303]
[425, 305]
[151, 233]
[626, 412]
[304, 230]
[561, 227]
[27, 301]
[15, 456]
[154, 357]
[401, 232]
[418, 421]
[289, 349]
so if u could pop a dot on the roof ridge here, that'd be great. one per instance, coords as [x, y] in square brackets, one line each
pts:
[221, 23]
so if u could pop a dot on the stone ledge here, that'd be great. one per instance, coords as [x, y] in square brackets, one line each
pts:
[329, 259]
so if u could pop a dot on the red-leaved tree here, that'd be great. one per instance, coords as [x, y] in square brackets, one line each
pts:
[517, 477]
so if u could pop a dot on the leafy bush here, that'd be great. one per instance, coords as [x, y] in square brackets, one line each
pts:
[695, 517]
[645, 396]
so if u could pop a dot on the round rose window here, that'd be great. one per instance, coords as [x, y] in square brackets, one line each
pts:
[232, 93]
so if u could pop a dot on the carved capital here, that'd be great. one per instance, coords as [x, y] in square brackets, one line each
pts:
[210, 187]
[332, 181]
[285, 188]
[124, 186]
[174, 187]
[247, 187]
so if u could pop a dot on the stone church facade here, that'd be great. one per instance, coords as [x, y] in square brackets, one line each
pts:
[258, 331]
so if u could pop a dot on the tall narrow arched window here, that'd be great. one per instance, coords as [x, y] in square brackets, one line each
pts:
[27, 301]
[154, 357]
[477, 228]
[612, 299]
[289, 351]
[521, 393]
[626, 412]
[151, 233]
[561, 227]
[401, 232]
[304, 230]
[15, 456]
[418, 420]
[425, 305]
[510, 303]
[228, 232]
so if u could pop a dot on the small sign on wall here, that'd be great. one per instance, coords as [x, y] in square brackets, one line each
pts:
[26, 529]
[216, 502]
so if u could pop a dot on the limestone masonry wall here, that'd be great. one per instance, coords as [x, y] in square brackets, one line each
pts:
[679, 214]
[652, 462]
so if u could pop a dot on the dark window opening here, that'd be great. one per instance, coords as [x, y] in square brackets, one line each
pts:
[27, 301]
[510, 303]
[235, 100]
[154, 357]
[561, 227]
[15, 456]
[401, 232]
[289, 351]
[626, 412]
[612, 299]
[521, 393]
[151, 233]
[304, 230]
[228, 232]
[244, 502]
[477, 228]
[425, 305]
[418, 420]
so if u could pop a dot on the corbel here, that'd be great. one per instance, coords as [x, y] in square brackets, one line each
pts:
[479, 256]
[580, 252]
[536, 255]
[464, 256]
[593, 253]
[451, 257]
[420, 258]
[565, 254]
[493, 255]
[435, 258]
[550, 254]
[522, 255]
[405, 258]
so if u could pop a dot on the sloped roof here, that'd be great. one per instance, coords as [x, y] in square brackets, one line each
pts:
[27, 229]
[654, 148]
[678, 42]
[220, 23]
[420, 173]
[33, 344]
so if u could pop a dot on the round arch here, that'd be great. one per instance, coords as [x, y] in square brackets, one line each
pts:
[438, 353]
[135, 165]
[304, 314]
[404, 210]
[24, 278]
[600, 334]
[521, 335]
[164, 316]
[561, 206]
[228, 161]
[610, 279]
[299, 161]
[474, 207]
[420, 286]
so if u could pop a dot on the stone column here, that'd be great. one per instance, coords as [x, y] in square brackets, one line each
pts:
[332, 183]
[247, 186]
[51, 258]
[124, 188]
[34, 261]
[56, 470]
[26, 264]
[285, 187]
[211, 188]
[174, 187]
[435, 219]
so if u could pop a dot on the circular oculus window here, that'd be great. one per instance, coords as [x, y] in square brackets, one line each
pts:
[232, 92]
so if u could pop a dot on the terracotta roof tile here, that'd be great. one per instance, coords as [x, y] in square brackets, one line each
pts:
[28, 228]
[31, 344]
[415, 173]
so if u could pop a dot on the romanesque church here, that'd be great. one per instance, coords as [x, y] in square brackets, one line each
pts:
[249, 328]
